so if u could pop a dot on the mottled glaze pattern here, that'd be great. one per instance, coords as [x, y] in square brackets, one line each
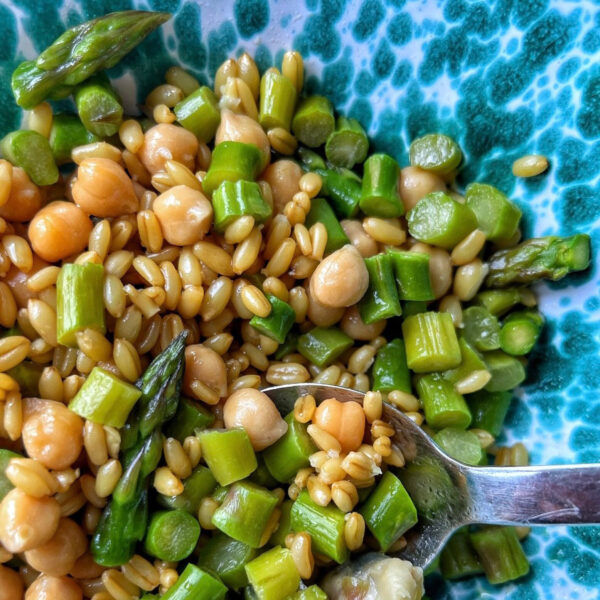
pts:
[504, 78]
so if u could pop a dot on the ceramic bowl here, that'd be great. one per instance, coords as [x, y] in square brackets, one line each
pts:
[504, 78]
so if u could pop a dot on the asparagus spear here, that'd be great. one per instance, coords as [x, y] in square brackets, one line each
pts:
[160, 385]
[550, 257]
[80, 52]
[123, 523]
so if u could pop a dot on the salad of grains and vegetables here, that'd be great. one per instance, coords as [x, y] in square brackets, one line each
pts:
[157, 271]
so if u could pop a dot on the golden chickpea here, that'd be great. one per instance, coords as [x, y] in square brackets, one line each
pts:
[25, 198]
[284, 178]
[103, 189]
[27, 522]
[185, 215]
[168, 142]
[241, 128]
[440, 267]
[46, 587]
[341, 279]
[51, 433]
[414, 183]
[57, 556]
[319, 314]
[255, 412]
[11, 584]
[359, 238]
[206, 365]
[353, 325]
[86, 567]
[59, 230]
[17, 281]
[345, 421]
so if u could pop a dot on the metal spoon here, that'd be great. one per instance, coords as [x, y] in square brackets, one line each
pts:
[457, 494]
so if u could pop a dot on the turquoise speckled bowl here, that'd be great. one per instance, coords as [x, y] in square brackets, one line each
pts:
[504, 78]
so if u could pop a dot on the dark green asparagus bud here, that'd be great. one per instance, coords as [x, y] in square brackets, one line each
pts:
[80, 52]
[160, 385]
[550, 257]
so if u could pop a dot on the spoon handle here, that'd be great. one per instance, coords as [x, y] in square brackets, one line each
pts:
[534, 495]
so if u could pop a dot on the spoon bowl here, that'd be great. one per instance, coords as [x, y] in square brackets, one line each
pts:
[449, 494]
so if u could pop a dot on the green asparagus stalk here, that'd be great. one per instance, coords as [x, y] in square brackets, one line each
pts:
[80, 52]
[500, 553]
[227, 558]
[273, 575]
[458, 558]
[278, 323]
[344, 192]
[104, 398]
[460, 444]
[123, 522]
[348, 144]
[313, 121]
[390, 371]
[172, 535]
[291, 452]
[470, 361]
[489, 410]
[310, 159]
[228, 454]
[32, 152]
[520, 331]
[245, 513]
[550, 257]
[190, 417]
[323, 345]
[67, 133]
[99, 106]
[389, 511]
[481, 328]
[197, 584]
[325, 524]
[435, 152]
[321, 212]
[197, 486]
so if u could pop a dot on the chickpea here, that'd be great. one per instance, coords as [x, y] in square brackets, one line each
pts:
[86, 567]
[103, 189]
[341, 279]
[255, 412]
[46, 587]
[51, 433]
[319, 314]
[414, 183]
[440, 267]
[284, 178]
[204, 364]
[11, 584]
[25, 198]
[59, 230]
[353, 325]
[168, 142]
[343, 420]
[57, 556]
[359, 238]
[184, 214]
[17, 281]
[27, 522]
[241, 128]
